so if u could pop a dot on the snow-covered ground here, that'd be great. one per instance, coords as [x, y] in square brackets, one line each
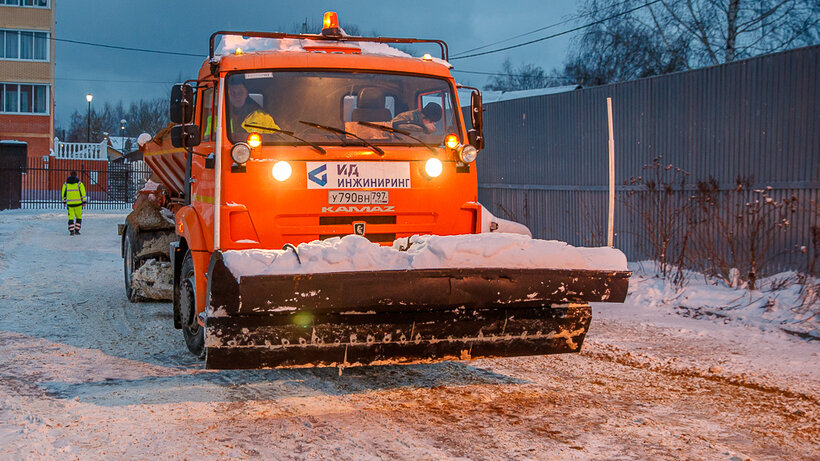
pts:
[707, 373]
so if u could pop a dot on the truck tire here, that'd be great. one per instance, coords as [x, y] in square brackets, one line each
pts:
[193, 332]
[129, 264]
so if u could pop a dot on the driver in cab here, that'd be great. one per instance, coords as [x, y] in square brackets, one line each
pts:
[418, 120]
[244, 111]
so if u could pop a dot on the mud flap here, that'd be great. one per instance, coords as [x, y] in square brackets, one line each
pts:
[387, 317]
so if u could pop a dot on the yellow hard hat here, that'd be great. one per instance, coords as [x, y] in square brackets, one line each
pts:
[259, 121]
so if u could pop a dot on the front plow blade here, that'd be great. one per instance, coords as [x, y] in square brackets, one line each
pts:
[387, 317]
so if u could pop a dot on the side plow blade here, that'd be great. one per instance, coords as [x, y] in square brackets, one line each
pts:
[391, 317]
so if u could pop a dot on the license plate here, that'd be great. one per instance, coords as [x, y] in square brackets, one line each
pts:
[352, 197]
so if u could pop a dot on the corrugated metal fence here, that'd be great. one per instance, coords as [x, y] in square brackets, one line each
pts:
[545, 162]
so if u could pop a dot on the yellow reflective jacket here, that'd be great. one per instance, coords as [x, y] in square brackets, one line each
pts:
[73, 192]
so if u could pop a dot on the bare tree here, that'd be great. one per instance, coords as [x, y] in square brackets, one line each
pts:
[524, 77]
[726, 30]
[142, 117]
[147, 116]
[670, 35]
[622, 49]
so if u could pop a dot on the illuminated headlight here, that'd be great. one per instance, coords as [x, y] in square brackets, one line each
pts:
[433, 167]
[240, 153]
[468, 154]
[282, 170]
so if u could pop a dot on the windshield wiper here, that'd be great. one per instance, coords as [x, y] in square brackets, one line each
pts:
[390, 129]
[339, 131]
[289, 133]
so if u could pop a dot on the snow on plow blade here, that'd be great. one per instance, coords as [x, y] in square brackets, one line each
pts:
[399, 316]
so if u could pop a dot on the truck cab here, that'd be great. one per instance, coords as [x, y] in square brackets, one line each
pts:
[318, 144]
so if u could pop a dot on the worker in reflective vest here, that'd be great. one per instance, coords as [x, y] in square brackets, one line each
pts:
[74, 198]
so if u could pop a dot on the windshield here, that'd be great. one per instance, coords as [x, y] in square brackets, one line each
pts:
[279, 105]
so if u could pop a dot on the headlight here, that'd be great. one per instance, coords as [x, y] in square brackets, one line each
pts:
[240, 153]
[433, 167]
[468, 154]
[281, 170]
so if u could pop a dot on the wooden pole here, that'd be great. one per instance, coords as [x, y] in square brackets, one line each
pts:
[611, 224]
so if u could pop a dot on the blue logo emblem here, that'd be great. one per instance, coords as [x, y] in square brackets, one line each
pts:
[314, 175]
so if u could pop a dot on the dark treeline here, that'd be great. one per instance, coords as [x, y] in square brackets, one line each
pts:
[140, 117]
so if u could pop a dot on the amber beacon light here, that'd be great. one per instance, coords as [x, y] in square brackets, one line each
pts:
[254, 140]
[330, 24]
[451, 141]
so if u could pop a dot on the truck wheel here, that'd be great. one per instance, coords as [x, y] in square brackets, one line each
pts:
[193, 332]
[129, 264]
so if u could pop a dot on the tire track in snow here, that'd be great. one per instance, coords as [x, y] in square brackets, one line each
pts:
[615, 354]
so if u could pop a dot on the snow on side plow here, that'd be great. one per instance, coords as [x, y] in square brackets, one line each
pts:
[414, 314]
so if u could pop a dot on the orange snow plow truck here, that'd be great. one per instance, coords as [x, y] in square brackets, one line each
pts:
[313, 137]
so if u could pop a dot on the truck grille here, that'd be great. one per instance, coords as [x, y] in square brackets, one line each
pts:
[341, 220]
[369, 220]
[375, 238]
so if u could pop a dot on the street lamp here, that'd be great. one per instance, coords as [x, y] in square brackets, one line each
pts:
[122, 135]
[88, 98]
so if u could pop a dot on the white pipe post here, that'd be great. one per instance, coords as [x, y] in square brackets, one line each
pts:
[220, 110]
[610, 239]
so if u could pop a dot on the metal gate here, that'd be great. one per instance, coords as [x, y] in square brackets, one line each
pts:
[109, 185]
[12, 167]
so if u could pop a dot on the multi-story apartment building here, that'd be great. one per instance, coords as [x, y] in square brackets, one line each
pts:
[27, 73]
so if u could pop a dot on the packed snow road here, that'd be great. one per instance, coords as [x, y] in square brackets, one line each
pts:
[84, 374]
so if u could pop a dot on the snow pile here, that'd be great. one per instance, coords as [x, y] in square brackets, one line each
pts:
[356, 253]
[151, 186]
[229, 44]
[168, 216]
[781, 303]
[492, 223]
[143, 139]
[153, 280]
[381, 49]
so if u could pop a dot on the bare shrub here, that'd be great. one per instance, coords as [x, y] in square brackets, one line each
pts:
[809, 296]
[591, 232]
[813, 253]
[736, 229]
[728, 233]
[656, 200]
[525, 219]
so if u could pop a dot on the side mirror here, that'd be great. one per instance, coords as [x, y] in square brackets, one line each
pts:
[182, 103]
[476, 135]
[185, 136]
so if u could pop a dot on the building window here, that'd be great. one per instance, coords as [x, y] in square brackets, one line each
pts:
[24, 45]
[27, 3]
[23, 98]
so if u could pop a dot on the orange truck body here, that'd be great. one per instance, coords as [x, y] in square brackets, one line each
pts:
[260, 212]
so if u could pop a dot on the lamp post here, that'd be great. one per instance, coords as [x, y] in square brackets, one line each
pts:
[122, 134]
[88, 98]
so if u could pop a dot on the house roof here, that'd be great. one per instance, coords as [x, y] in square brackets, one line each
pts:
[489, 96]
